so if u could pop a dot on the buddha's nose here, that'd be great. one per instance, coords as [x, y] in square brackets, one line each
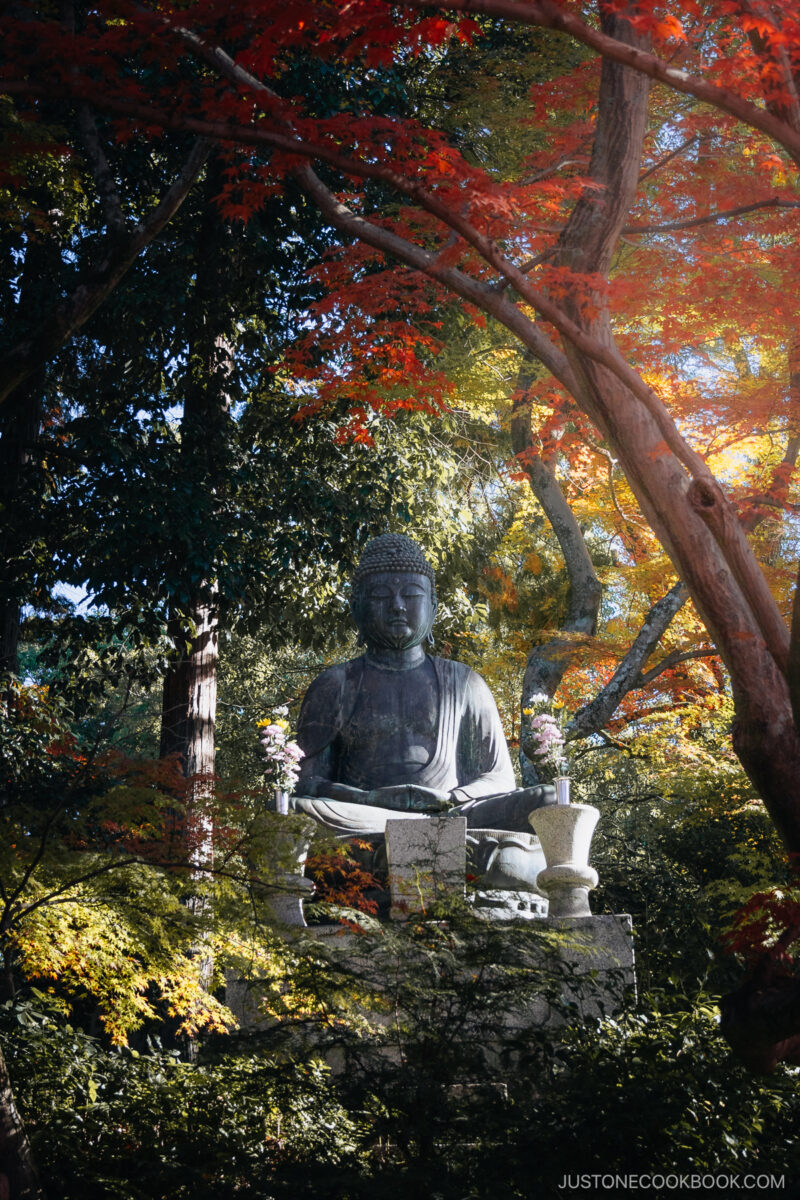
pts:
[398, 603]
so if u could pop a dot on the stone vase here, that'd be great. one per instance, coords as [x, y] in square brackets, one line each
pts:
[565, 831]
[291, 888]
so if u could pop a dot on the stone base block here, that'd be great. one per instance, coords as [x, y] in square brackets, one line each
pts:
[596, 954]
[427, 861]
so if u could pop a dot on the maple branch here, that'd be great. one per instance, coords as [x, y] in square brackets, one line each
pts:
[672, 659]
[546, 172]
[593, 228]
[788, 107]
[97, 281]
[691, 223]
[482, 295]
[342, 218]
[627, 521]
[530, 263]
[605, 354]
[662, 162]
[595, 715]
[775, 496]
[549, 15]
[598, 349]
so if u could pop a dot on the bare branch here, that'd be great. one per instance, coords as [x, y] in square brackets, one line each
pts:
[547, 663]
[662, 162]
[689, 223]
[552, 169]
[672, 660]
[105, 183]
[593, 716]
[710, 218]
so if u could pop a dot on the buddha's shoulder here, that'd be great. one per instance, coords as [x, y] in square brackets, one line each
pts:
[336, 677]
[462, 675]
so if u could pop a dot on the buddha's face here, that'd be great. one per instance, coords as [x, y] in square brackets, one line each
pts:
[394, 610]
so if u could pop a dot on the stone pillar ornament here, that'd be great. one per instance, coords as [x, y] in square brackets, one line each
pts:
[565, 831]
[288, 885]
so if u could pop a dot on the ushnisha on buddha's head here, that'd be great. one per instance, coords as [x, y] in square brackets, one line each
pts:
[394, 594]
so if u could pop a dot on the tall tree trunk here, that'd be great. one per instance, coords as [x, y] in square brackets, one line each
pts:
[190, 685]
[20, 420]
[17, 1171]
[188, 717]
[547, 663]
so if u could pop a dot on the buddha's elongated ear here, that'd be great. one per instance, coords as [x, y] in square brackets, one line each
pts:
[355, 613]
[434, 602]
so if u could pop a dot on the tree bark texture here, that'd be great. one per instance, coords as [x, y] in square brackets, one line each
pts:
[18, 1177]
[189, 706]
[547, 663]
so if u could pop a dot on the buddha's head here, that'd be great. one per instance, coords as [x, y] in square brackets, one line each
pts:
[394, 594]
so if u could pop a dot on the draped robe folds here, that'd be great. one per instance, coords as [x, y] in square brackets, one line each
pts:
[469, 760]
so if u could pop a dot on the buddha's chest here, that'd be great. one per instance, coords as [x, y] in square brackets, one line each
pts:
[392, 731]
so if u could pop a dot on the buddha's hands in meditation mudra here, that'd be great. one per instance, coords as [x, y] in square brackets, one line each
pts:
[399, 797]
[397, 730]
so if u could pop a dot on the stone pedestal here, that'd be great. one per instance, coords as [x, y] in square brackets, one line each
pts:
[565, 831]
[427, 862]
[597, 959]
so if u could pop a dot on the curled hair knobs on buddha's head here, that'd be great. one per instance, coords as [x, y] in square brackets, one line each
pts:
[393, 552]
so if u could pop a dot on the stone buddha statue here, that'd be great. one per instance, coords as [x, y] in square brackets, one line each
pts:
[398, 731]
